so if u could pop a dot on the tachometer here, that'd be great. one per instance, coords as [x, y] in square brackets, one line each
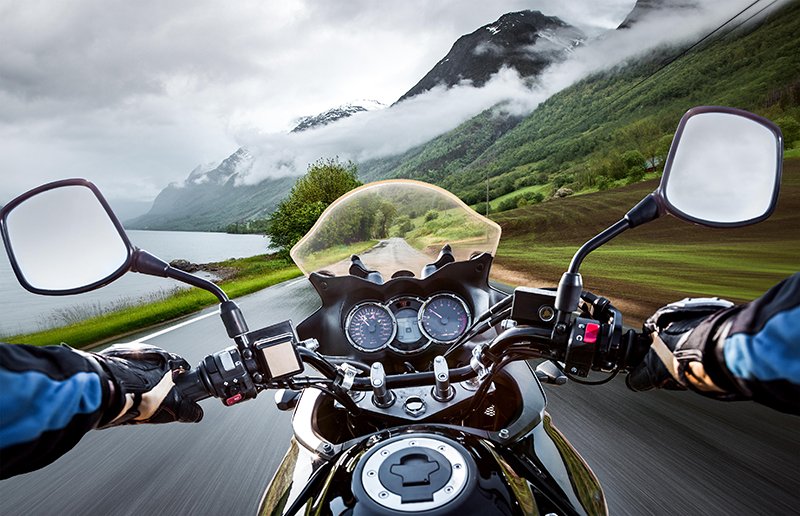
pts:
[444, 318]
[370, 326]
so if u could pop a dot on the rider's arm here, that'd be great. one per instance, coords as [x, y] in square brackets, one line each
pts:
[754, 349]
[50, 397]
[750, 351]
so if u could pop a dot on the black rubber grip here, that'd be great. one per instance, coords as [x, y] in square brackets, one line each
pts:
[191, 386]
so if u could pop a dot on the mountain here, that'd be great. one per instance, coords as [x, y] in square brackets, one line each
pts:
[126, 209]
[335, 114]
[210, 200]
[213, 197]
[577, 137]
[646, 8]
[527, 41]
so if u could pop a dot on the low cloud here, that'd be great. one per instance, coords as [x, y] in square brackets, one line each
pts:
[385, 132]
[134, 95]
[417, 120]
[487, 47]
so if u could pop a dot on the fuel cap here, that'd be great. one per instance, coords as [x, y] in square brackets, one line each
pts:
[415, 472]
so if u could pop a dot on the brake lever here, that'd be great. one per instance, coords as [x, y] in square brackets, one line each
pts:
[548, 372]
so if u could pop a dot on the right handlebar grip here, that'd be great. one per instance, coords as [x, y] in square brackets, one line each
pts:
[191, 386]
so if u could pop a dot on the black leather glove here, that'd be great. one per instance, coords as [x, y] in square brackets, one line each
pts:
[142, 390]
[673, 358]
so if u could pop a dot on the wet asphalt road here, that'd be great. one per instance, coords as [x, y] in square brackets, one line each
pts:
[655, 453]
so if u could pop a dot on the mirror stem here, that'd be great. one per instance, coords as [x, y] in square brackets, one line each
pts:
[571, 284]
[146, 263]
[601, 238]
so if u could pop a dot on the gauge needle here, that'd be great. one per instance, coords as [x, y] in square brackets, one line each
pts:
[434, 313]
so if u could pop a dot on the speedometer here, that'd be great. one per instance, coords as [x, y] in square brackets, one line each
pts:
[444, 318]
[370, 326]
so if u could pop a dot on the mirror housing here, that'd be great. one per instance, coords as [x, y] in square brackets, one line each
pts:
[62, 238]
[723, 168]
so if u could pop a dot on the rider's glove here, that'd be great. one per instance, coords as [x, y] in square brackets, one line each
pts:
[675, 359]
[142, 390]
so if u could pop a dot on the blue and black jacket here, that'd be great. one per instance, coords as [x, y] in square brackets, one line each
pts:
[754, 349]
[49, 398]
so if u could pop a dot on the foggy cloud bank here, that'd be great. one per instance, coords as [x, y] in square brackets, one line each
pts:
[391, 131]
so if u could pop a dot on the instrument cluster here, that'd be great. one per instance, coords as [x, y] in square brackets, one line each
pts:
[407, 324]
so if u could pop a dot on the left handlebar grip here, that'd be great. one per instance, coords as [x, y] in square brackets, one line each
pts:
[191, 386]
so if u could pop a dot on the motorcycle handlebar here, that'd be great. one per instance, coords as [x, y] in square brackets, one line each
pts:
[208, 379]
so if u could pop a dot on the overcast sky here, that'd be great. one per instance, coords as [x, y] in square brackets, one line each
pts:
[134, 95]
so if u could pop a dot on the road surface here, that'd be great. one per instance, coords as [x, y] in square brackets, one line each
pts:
[655, 453]
[387, 257]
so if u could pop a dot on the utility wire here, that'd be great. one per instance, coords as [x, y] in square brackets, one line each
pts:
[692, 47]
[681, 55]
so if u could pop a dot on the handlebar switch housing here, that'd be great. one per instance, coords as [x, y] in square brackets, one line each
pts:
[228, 376]
[584, 340]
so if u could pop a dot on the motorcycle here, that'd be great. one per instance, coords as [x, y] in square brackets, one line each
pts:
[416, 392]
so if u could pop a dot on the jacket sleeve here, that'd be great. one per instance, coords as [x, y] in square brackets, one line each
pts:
[49, 398]
[754, 349]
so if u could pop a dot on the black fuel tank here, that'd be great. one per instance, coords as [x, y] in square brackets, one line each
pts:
[427, 469]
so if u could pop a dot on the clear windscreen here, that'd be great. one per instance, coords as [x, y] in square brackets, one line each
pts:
[394, 225]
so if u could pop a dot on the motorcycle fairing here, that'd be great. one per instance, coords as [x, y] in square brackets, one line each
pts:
[469, 279]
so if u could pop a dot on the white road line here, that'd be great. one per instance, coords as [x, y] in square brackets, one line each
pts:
[181, 325]
[199, 317]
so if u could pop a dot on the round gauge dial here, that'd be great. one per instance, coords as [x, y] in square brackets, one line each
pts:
[444, 318]
[370, 327]
[409, 338]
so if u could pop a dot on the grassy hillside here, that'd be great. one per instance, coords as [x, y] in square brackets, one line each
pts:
[579, 137]
[446, 154]
[659, 262]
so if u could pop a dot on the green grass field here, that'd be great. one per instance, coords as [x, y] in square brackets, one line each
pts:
[252, 274]
[543, 189]
[659, 262]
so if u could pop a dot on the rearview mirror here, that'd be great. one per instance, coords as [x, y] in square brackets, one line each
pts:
[723, 168]
[62, 238]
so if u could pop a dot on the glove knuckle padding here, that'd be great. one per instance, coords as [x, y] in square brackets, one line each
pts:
[673, 323]
[146, 393]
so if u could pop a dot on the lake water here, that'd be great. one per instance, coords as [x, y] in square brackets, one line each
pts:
[22, 312]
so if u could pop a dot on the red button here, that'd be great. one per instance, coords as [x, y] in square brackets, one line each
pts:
[233, 399]
[590, 335]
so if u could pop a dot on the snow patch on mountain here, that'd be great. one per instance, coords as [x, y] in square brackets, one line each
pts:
[235, 166]
[332, 115]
